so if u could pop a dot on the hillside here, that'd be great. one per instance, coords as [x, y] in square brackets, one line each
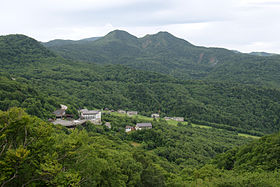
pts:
[19, 93]
[37, 153]
[254, 164]
[263, 154]
[14, 48]
[237, 107]
[165, 155]
[164, 53]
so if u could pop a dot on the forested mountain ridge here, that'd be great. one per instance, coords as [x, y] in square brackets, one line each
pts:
[164, 53]
[14, 48]
[232, 106]
[37, 153]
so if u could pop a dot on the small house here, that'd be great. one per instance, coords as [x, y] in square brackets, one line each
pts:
[59, 113]
[167, 118]
[121, 111]
[64, 107]
[178, 118]
[140, 126]
[108, 124]
[129, 128]
[155, 115]
[131, 113]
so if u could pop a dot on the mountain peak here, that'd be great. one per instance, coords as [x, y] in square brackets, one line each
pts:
[164, 33]
[121, 35]
[19, 44]
[162, 39]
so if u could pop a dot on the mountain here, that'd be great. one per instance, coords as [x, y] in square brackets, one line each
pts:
[262, 54]
[37, 153]
[59, 42]
[13, 48]
[167, 54]
[232, 106]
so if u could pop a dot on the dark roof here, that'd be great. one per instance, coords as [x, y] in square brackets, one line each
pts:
[59, 112]
[90, 112]
[129, 127]
[143, 125]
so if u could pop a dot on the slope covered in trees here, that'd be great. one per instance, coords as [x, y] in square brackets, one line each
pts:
[164, 53]
[36, 153]
[263, 154]
[80, 84]
[255, 164]
[18, 93]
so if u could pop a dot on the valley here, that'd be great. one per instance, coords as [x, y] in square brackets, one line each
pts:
[229, 101]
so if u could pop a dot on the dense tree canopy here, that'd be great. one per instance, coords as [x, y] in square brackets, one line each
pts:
[34, 152]
[243, 108]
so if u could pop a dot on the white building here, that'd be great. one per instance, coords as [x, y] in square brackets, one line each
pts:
[140, 126]
[121, 111]
[129, 128]
[108, 124]
[174, 118]
[178, 118]
[131, 113]
[155, 115]
[92, 115]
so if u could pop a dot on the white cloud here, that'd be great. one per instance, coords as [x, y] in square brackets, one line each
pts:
[245, 25]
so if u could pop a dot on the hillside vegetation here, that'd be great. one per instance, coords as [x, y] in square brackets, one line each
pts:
[243, 108]
[34, 81]
[36, 153]
[164, 53]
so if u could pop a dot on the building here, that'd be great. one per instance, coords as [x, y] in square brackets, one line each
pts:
[92, 115]
[59, 113]
[129, 128]
[167, 118]
[174, 118]
[108, 124]
[68, 123]
[178, 118]
[140, 126]
[121, 111]
[64, 107]
[155, 115]
[131, 113]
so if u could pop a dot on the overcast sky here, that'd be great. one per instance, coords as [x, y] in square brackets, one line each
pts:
[244, 25]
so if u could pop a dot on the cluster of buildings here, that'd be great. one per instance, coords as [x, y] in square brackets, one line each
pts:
[94, 116]
[66, 120]
[129, 113]
[139, 126]
[174, 118]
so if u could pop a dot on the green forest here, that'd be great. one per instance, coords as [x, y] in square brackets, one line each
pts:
[167, 54]
[36, 153]
[34, 81]
[230, 105]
